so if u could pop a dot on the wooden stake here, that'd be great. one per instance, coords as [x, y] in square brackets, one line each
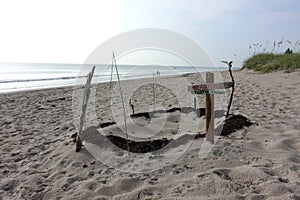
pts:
[124, 111]
[85, 100]
[209, 111]
[195, 107]
[154, 92]
[111, 73]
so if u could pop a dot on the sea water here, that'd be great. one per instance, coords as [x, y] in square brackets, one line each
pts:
[28, 76]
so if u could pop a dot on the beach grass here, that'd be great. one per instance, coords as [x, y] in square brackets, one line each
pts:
[268, 62]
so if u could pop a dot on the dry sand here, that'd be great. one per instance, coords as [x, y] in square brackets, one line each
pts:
[258, 161]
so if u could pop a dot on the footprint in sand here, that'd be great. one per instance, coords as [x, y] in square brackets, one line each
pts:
[295, 159]
[223, 173]
[153, 180]
[145, 194]
[70, 181]
[91, 185]
[8, 185]
[203, 175]
[218, 152]
[77, 164]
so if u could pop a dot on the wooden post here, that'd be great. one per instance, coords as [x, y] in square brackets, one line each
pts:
[111, 73]
[86, 95]
[209, 111]
[154, 92]
[197, 111]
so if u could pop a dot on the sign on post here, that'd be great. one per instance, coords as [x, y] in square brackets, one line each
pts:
[209, 89]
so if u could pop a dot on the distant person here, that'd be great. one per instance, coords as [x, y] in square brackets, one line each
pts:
[158, 73]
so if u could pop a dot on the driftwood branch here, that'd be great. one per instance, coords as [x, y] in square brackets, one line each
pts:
[132, 106]
[232, 90]
[85, 100]
[230, 101]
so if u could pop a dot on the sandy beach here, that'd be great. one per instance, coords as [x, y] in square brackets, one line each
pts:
[256, 157]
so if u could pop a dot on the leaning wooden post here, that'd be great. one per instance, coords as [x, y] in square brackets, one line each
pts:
[195, 107]
[86, 95]
[209, 111]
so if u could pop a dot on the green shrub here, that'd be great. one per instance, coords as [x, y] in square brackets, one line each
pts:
[288, 51]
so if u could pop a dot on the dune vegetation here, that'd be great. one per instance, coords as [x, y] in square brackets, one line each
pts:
[267, 62]
[279, 55]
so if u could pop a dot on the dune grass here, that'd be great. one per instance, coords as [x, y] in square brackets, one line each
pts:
[268, 62]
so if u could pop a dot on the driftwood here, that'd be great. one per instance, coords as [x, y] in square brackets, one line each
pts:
[232, 86]
[132, 106]
[210, 110]
[85, 100]
[210, 86]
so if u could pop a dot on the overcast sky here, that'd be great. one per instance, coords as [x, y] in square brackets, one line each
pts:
[68, 31]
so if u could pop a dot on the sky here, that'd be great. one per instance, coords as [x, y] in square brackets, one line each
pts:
[68, 31]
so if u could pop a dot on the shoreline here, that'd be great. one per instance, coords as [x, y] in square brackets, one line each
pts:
[97, 77]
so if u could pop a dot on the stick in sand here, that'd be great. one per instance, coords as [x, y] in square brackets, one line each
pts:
[124, 112]
[232, 91]
[86, 96]
[111, 74]
[154, 102]
[132, 106]
[229, 64]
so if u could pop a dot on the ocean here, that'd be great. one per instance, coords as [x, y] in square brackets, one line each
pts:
[29, 76]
